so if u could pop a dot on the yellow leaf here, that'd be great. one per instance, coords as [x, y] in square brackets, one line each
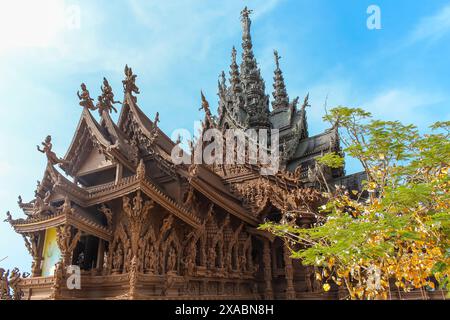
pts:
[326, 287]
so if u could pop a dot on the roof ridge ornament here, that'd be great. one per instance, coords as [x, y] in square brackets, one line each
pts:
[277, 58]
[106, 99]
[209, 121]
[85, 99]
[47, 150]
[129, 83]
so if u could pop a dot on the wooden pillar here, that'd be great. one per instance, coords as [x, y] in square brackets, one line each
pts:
[289, 273]
[119, 173]
[100, 253]
[267, 270]
[36, 268]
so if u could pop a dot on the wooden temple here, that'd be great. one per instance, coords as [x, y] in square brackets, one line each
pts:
[141, 227]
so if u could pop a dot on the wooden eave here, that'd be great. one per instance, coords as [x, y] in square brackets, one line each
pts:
[73, 219]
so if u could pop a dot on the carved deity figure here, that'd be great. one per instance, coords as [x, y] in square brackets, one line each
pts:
[150, 260]
[189, 263]
[212, 258]
[118, 258]
[106, 100]
[243, 262]
[85, 98]
[128, 258]
[172, 260]
[47, 150]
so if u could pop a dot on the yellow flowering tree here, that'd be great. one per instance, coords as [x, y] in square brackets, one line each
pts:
[394, 232]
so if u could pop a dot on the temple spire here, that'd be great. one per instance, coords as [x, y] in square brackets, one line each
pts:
[256, 102]
[279, 93]
[235, 81]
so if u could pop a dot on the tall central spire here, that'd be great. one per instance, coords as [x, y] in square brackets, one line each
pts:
[256, 102]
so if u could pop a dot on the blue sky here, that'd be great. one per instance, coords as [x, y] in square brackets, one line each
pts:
[178, 47]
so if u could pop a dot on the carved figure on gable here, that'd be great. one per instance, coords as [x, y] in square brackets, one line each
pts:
[85, 98]
[47, 150]
[106, 100]
[129, 84]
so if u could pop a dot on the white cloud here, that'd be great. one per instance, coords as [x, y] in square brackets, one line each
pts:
[432, 27]
[406, 105]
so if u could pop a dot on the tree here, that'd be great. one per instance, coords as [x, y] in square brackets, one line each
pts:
[394, 232]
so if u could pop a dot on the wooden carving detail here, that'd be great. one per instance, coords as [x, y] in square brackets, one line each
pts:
[288, 199]
[107, 213]
[290, 292]
[129, 83]
[137, 212]
[140, 170]
[9, 284]
[85, 98]
[67, 240]
[106, 100]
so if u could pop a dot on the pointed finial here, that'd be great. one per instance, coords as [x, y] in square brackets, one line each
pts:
[233, 55]
[205, 103]
[222, 78]
[8, 217]
[156, 121]
[205, 106]
[245, 13]
[277, 58]
[306, 102]
[246, 22]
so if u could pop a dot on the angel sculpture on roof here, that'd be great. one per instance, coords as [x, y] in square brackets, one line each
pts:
[85, 98]
[47, 149]
[106, 100]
